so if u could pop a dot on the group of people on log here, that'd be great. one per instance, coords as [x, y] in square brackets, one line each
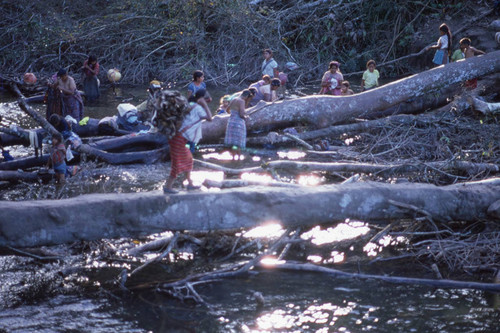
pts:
[64, 99]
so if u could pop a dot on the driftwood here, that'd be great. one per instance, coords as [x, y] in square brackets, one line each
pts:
[322, 111]
[462, 166]
[484, 107]
[36, 223]
[441, 283]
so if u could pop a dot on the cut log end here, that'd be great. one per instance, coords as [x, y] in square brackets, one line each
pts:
[494, 210]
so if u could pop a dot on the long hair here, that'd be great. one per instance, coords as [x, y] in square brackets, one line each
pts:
[444, 28]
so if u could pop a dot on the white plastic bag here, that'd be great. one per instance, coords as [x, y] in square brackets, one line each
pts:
[69, 154]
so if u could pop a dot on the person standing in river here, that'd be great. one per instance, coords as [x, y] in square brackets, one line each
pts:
[197, 84]
[443, 46]
[71, 98]
[90, 70]
[236, 130]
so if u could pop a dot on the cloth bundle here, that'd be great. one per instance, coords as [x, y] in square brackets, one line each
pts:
[171, 108]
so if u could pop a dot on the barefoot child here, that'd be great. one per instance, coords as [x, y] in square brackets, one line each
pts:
[56, 159]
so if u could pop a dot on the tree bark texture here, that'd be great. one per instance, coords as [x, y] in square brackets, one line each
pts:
[97, 216]
[323, 111]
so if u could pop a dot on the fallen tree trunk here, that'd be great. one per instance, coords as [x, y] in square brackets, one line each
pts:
[15, 176]
[336, 131]
[25, 163]
[454, 165]
[97, 216]
[322, 111]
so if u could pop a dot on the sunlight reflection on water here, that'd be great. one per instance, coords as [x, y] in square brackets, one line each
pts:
[291, 154]
[338, 233]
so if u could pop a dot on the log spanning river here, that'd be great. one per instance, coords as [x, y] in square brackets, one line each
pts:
[291, 301]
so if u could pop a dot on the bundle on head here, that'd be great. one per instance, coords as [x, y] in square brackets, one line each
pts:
[171, 108]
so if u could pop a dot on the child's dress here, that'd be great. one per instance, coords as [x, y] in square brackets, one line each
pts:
[57, 156]
[441, 55]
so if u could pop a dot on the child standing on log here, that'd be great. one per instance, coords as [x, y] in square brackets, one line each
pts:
[443, 46]
[56, 159]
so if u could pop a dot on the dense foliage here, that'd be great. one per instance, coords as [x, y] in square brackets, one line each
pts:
[168, 39]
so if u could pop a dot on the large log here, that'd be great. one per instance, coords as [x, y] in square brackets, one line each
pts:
[96, 216]
[322, 111]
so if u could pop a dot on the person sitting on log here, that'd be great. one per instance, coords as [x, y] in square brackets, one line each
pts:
[330, 83]
[72, 101]
[188, 134]
[236, 131]
[265, 92]
[262, 90]
[90, 81]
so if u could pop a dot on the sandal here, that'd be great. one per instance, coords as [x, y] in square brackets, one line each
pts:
[192, 187]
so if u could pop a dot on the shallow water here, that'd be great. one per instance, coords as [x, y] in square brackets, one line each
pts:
[293, 302]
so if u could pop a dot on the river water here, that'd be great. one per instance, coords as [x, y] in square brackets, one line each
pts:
[36, 297]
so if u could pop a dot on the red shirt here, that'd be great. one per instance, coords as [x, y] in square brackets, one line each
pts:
[95, 67]
[58, 154]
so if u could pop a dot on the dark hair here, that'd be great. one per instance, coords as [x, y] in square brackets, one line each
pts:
[465, 41]
[253, 90]
[267, 51]
[92, 58]
[333, 63]
[200, 93]
[246, 93]
[276, 82]
[346, 83]
[197, 74]
[371, 61]
[54, 119]
[444, 28]
[57, 136]
[62, 72]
